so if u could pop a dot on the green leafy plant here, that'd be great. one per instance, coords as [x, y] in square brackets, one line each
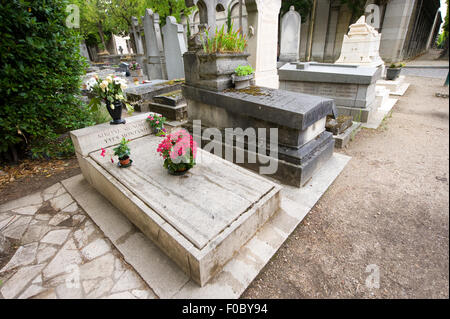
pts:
[396, 66]
[157, 123]
[122, 150]
[40, 77]
[244, 70]
[105, 90]
[224, 41]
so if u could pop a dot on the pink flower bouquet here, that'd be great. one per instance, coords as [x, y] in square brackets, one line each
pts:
[179, 151]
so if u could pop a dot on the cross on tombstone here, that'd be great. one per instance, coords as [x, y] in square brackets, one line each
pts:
[174, 48]
[290, 36]
[136, 35]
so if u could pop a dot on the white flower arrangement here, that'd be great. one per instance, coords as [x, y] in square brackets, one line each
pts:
[106, 90]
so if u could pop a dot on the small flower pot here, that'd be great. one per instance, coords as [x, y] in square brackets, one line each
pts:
[392, 73]
[125, 161]
[115, 113]
[242, 82]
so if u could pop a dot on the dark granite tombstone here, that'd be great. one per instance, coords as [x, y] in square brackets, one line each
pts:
[303, 143]
[141, 95]
[172, 105]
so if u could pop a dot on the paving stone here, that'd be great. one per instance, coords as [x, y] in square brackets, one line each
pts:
[141, 294]
[37, 280]
[17, 228]
[65, 292]
[52, 191]
[101, 267]
[43, 217]
[67, 256]
[35, 232]
[57, 237]
[45, 252]
[61, 201]
[58, 219]
[33, 199]
[20, 280]
[78, 219]
[95, 249]
[31, 291]
[121, 295]
[72, 208]
[28, 210]
[82, 236]
[129, 280]
[119, 268]
[103, 287]
[25, 255]
[49, 294]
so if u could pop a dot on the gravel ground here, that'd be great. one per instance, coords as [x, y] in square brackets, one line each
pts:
[389, 208]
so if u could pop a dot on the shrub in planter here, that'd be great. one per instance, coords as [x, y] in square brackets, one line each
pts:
[222, 53]
[179, 151]
[242, 76]
[394, 71]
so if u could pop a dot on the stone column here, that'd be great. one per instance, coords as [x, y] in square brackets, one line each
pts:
[262, 43]
[290, 36]
[320, 30]
[154, 65]
[395, 28]
[433, 28]
[174, 48]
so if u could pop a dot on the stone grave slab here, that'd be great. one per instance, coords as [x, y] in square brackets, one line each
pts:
[353, 88]
[142, 93]
[199, 220]
[303, 144]
[172, 105]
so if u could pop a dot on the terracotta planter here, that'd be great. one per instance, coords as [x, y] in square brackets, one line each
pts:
[392, 73]
[125, 161]
[242, 82]
[115, 113]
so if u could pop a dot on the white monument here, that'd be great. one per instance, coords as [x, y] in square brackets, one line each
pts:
[154, 62]
[361, 46]
[174, 48]
[263, 39]
[290, 36]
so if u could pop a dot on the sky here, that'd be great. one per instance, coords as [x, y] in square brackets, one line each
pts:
[443, 11]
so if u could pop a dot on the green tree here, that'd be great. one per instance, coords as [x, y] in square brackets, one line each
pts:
[39, 78]
[167, 8]
[356, 7]
[303, 7]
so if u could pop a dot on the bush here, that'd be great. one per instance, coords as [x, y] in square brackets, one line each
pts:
[244, 70]
[40, 78]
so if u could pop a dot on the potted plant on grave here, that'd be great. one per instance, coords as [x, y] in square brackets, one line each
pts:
[110, 91]
[156, 122]
[179, 151]
[242, 76]
[135, 69]
[222, 53]
[122, 151]
[393, 71]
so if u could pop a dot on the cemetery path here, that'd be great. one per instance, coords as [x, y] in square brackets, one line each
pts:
[388, 208]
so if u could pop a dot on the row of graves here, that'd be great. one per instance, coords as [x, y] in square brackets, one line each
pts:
[215, 191]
